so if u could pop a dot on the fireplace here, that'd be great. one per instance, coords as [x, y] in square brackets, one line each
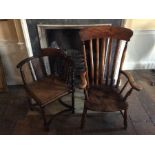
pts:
[36, 25]
[65, 37]
[62, 33]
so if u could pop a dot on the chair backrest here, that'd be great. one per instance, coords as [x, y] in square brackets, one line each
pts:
[50, 62]
[101, 49]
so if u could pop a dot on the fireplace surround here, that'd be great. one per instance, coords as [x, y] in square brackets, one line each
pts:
[64, 34]
[33, 24]
[67, 36]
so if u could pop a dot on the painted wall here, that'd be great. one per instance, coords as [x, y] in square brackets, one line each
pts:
[140, 24]
[141, 49]
[12, 49]
[7, 31]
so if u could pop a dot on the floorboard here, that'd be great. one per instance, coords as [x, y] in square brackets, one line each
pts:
[16, 118]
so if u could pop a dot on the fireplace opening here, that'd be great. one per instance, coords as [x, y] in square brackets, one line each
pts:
[63, 38]
[66, 38]
[69, 41]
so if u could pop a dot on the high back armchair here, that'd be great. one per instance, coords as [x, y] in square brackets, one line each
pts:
[104, 54]
[46, 83]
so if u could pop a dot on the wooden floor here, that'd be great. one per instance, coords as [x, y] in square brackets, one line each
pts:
[16, 118]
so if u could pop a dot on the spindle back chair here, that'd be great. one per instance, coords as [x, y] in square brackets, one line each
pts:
[104, 50]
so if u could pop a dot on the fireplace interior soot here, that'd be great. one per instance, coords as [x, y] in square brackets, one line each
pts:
[69, 41]
[64, 38]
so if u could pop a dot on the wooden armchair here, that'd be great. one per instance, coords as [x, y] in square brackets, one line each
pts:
[46, 86]
[102, 52]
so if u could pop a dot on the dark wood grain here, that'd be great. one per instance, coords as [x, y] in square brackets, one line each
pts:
[109, 60]
[91, 61]
[85, 63]
[103, 94]
[97, 61]
[103, 53]
[106, 31]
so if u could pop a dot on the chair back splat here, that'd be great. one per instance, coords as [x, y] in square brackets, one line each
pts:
[101, 47]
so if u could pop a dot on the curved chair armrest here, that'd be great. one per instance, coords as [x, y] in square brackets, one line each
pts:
[21, 63]
[83, 81]
[131, 80]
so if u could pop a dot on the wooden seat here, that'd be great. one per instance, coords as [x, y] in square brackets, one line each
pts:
[48, 90]
[104, 50]
[105, 100]
[47, 78]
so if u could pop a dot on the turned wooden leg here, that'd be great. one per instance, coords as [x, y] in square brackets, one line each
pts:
[73, 103]
[125, 119]
[83, 117]
[44, 119]
[73, 90]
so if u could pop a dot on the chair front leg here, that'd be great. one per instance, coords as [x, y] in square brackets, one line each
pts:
[46, 125]
[83, 117]
[73, 89]
[73, 102]
[125, 119]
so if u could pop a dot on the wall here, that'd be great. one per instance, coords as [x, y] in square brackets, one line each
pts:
[12, 49]
[140, 24]
[141, 49]
[7, 31]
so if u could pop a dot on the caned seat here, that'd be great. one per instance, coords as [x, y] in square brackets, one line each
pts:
[104, 50]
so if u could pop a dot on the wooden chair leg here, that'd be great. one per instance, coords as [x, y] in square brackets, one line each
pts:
[125, 119]
[83, 117]
[44, 119]
[73, 103]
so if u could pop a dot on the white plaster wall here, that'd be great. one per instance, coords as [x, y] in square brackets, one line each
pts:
[141, 51]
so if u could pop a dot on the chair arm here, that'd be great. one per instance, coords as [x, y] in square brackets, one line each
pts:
[83, 81]
[21, 63]
[131, 80]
